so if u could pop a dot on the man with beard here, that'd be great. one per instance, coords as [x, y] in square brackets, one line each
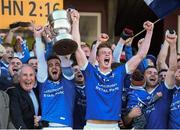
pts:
[9, 77]
[80, 99]
[56, 89]
[174, 116]
[157, 114]
[103, 85]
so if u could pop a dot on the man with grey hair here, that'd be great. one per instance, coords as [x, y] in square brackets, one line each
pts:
[24, 103]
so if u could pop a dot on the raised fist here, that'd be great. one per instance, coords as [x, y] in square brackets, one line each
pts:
[148, 26]
[74, 15]
[103, 38]
[171, 36]
[38, 31]
[126, 33]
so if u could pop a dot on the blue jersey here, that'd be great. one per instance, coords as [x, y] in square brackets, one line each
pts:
[157, 113]
[103, 93]
[174, 119]
[6, 79]
[57, 100]
[79, 108]
[137, 97]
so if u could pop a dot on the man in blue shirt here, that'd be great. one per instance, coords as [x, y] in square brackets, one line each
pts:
[103, 85]
[56, 89]
[174, 116]
[157, 113]
[154, 117]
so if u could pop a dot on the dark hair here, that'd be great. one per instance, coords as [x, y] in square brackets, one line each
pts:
[53, 57]
[104, 45]
[16, 58]
[31, 58]
[162, 70]
[150, 67]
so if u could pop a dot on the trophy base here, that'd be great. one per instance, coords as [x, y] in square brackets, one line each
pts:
[65, 47]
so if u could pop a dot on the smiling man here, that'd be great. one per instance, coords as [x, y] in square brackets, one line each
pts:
[154, 113]
[23, 101]
[9, 77]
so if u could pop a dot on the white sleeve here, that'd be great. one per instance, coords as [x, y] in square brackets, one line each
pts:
[85, 66]
[42, 72]
[168, 87]
[127, 69]
[117, 52]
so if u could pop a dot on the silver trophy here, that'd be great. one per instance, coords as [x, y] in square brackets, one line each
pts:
[59, 21]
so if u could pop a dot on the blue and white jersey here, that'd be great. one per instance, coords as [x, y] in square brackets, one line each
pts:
[103, 93]
[57, 101]
[4, 65]
[157, 113]
[137, 96]
[25, 54]
[174, 116]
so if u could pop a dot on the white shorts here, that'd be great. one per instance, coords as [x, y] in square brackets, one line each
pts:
[56, 126]
[91, 126]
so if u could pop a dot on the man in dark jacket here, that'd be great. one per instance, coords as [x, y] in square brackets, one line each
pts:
[23, 100]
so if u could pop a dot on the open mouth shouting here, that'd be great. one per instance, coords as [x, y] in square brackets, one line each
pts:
[153, 79]
[15, 70]
[10, 58]
[107, 61]
[54, 74]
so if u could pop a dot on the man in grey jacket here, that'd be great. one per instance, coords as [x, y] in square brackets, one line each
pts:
[5, 121]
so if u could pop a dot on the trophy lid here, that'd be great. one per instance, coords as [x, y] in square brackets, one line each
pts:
[58, 14]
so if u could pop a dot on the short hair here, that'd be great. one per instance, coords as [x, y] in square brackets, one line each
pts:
[16, 58]
[162, 70]
[85, 45]
[25, 65]
[33, 57]
[53, 56]
[104, 45]
[149, 68]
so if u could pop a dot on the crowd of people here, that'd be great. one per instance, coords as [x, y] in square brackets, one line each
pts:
[95, 88]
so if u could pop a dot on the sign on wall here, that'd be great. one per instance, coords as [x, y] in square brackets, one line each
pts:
[26, 10]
